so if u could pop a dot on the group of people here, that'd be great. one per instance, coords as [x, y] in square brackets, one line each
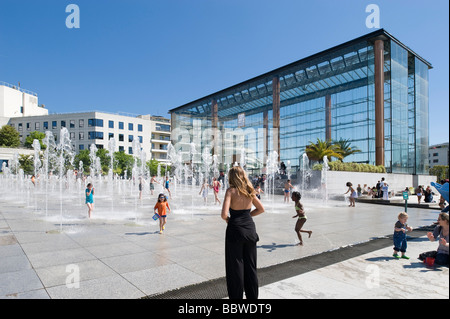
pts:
[440, 234]
[379, 191]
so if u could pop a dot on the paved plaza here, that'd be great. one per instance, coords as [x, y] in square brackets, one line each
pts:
[119, 253]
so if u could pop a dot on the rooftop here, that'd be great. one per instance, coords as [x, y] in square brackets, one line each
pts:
[244, 89]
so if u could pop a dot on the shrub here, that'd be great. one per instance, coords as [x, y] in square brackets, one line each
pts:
[352, 167]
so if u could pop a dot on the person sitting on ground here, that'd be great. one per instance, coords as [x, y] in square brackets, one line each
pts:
[440, 233]
[428, 195]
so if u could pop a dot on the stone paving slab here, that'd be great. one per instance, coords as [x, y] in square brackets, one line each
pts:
[376, 275]
[124, 256]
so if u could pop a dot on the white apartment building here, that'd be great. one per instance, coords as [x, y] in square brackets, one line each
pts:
[86, 128]
[17, 102]
[438, 154]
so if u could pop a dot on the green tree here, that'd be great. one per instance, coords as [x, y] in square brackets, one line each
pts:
[153, 167]
[440, 171]
[9, 137]
[343, 147]
[36, 135]
[26, 162]
[123, 162]
[105, 159]
[316, 151]
[83, 156]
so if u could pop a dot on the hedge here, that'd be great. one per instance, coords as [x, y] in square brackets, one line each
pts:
[351, 167]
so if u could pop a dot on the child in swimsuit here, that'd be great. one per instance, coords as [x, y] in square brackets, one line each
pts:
[161, 209]
[166, 186]
[353, 194]
[287, 188]
[258, 191]
[301, 217]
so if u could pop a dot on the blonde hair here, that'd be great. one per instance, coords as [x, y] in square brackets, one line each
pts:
[238, 179]
[402, 214]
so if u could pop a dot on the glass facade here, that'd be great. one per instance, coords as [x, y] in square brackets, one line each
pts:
[330, 95]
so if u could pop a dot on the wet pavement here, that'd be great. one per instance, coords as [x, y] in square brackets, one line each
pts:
[119, 253]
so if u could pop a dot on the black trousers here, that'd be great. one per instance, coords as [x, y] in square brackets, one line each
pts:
[240, 266]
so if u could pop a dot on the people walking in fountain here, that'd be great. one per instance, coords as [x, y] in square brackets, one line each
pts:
[161, 210]
[33, 180]
[287, 189]
[216, 187]
[296, 196]
[141, 186]
[166, 186]
[90, 198]
[153, 180]
[400, 230]
[204, 190]
[353, 194]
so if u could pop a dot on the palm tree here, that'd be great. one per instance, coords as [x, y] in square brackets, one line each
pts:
[317, 151]
[344, 148]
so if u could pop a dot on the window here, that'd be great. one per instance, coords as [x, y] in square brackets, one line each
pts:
[45, 125]
[163, 127]
[121, 149]
[140, 139]
[120, 137]
[110, 136]
[28, 126]
[54, 125]
[81, 136]
[95, 123]
[130, 126]
[111, 124]
[72, 123]
[130, 150]
[435, 161]
[37, 126]
[81, 147]
[120, 125]
[63, 124]
[72, 136]
[130, 138]
[435, 154]
[81, 123]
[19, 127]
[96, 135]
[139, 127]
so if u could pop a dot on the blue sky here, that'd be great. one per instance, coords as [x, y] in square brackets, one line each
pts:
[146, 57]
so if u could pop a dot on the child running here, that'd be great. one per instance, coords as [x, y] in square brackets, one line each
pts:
[301, 217]
[400, 230]
[353, 194]
[89, 192]
[161, 210]
[258, 191]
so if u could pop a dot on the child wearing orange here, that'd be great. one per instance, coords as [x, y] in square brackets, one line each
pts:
[161, 210]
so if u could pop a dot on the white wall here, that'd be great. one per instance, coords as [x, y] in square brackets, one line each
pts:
[11, 101]
[336, 180]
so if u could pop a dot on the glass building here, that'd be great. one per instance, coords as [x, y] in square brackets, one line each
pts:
[372, 91]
